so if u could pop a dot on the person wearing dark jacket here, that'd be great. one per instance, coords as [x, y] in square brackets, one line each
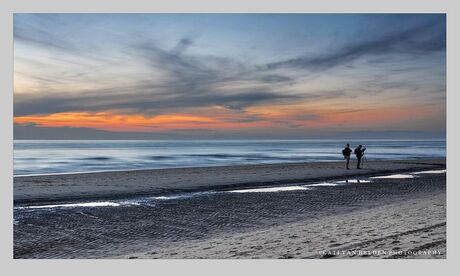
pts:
[359, 152]
[346, 155]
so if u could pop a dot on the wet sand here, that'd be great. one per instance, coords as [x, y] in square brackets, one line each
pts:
[399, 215]
[50, 188]
[414, 228]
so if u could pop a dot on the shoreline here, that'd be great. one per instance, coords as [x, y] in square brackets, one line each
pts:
[125, 184]
[213, 166]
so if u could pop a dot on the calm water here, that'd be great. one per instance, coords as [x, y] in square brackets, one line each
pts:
[48, 157]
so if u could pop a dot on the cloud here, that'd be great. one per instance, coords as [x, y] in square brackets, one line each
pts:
[422, 39]
[183, 44]
[191, 81]
[140, 103]
[275, 78]
[307, 117]
[51, 32]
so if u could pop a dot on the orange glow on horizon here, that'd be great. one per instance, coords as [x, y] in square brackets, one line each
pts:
[317, 117]
[114, 122]
[265, 117]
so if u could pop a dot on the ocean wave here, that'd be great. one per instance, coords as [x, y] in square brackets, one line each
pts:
[96, 158]
[40, 157]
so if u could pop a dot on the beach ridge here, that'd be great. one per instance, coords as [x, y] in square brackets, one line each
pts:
[120, 184]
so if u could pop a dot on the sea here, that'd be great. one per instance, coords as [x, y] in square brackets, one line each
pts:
[41, 157]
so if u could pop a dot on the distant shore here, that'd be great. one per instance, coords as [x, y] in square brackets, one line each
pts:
[51, 188]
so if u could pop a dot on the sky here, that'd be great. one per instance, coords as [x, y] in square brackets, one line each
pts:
[91, 76]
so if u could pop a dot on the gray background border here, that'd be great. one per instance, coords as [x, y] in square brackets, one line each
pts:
[221, 267]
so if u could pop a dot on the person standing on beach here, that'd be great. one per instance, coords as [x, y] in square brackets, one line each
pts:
[346, 155]
[359, 152]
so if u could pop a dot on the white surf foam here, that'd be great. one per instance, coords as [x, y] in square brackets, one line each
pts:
[322, 184]
[270, 190]
[170, 197]
[395, 176]
[353, 181]
[431, 172]
[73, 205]
[181, 196]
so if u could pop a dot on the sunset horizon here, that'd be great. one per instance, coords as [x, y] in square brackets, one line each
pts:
[229, 75]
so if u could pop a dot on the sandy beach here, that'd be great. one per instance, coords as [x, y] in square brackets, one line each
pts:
[330, 214]
[414, 228]
[50, 188]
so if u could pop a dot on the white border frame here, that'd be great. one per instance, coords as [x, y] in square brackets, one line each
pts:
[225, 267]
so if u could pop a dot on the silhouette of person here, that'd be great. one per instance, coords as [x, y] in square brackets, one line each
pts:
[359, 152]
[346, 155]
